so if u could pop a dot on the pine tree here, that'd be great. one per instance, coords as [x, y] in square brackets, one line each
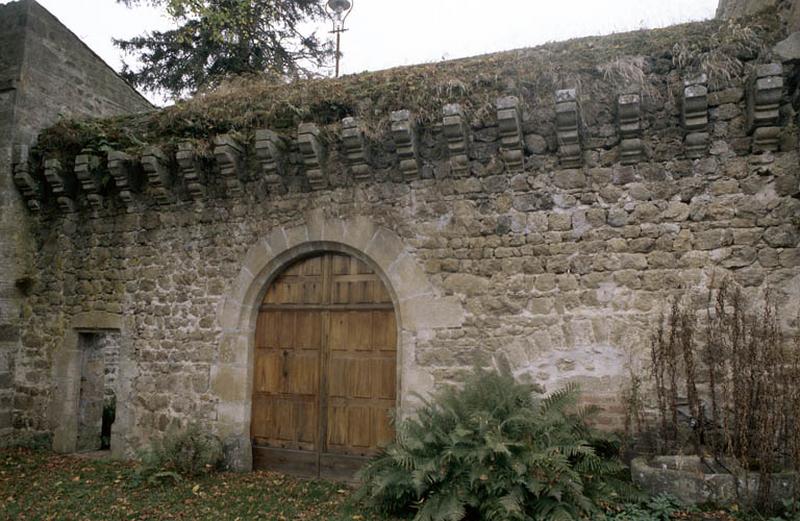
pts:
[215, 39]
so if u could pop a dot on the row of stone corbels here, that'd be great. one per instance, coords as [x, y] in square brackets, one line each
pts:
[272, 150]
[129, 178]
[764, 96]
[764, 93]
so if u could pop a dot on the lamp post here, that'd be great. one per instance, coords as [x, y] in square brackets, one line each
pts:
[340, 10]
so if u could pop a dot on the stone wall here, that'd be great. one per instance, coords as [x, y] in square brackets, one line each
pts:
[789, 10]
[46, 73]
[547, 238]
[11, 208]
[728, 9]
[61, 77]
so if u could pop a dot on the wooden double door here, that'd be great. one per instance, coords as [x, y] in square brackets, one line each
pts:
[325, 375]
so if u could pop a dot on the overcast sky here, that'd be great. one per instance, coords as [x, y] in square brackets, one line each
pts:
[387, 33]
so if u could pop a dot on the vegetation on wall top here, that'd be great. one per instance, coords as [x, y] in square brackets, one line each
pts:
[623, 61]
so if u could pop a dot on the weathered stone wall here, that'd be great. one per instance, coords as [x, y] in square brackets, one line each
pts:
[11, 208]
[789, 10]
[545, 237]
[46, 72]
[737, 8]
[60, 76]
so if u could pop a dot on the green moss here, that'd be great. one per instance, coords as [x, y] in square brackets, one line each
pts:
[532, 74]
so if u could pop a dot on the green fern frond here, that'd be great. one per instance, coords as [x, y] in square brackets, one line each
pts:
[561, 399]
[495, 449]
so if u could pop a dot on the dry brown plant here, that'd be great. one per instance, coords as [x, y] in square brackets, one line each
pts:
[728, 386]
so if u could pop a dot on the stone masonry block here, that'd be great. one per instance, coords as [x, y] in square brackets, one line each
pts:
[313, 152]
[405, 273]
[228, 383]
[384, 248]
[257, 257]
[429, 312]
[296, 236]
[276, 240]
[334, 230]
[358, 232]
[404, 135]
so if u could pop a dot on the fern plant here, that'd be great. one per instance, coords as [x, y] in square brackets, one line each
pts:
[496, 450]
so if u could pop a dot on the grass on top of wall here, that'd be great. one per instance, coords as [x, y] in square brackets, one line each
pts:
[632, 61]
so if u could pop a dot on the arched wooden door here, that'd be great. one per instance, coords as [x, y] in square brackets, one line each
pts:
[324, 383]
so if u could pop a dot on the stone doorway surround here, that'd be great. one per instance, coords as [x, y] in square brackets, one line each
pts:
[420, 310]
[67, 383]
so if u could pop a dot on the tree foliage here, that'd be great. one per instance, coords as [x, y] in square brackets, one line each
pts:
[495, 451]
[215, 39]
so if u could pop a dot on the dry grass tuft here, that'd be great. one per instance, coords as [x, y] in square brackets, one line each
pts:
[722, 57]
[626, 73]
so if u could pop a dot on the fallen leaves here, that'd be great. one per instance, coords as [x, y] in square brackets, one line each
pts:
[107, 491]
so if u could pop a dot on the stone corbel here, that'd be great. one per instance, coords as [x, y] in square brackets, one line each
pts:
[630, 128]
[86, 166]
[456, 133]
[154, 163]
[229, 154]
[120, 166]
[63, 185]
[28, 187]
[313, 153]
[763, 106]
[190, 171]
[509, 123]
[568, 128]
[695, 116]
[405, 141]
[270, 152]
[355, 151]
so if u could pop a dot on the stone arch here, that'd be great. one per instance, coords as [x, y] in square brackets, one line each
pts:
[419, 309]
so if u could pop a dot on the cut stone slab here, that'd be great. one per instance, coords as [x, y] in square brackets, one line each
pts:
[695, 481]
[788, 50]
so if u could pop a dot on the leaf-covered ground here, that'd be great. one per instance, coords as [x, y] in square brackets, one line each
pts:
[45, 486]
[38, 485]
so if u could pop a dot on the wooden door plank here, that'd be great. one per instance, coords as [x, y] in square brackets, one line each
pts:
[324, 359]
[291, 462]
[267, 372]
[340, 467]
[384, 426]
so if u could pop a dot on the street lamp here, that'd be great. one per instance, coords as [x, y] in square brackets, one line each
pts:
[340, 10]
